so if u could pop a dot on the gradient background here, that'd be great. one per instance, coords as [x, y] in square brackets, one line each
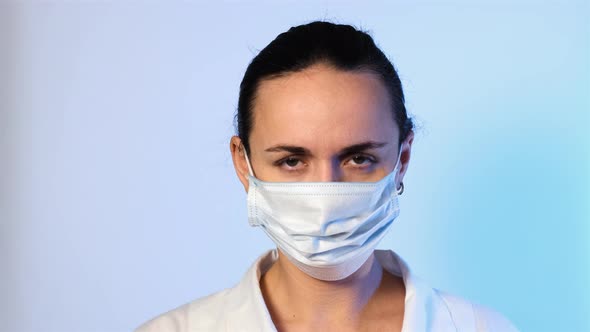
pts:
[119, 201]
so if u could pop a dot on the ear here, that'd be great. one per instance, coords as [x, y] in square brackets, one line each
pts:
[406, 151]
[238, 156]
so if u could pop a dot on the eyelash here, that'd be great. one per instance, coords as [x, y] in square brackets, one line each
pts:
[371, 159]
[283, 162]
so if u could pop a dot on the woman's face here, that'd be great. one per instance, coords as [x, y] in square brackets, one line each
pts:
[322, 124]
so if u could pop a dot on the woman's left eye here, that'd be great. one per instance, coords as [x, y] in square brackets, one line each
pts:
[360, 160]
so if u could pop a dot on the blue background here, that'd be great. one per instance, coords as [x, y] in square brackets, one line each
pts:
[118, 199]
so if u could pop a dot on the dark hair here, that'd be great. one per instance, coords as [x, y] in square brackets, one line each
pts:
[341, 46]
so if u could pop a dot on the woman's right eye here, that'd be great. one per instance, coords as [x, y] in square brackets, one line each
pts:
[289, 163]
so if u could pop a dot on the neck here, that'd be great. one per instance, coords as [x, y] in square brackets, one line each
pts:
[313, 300]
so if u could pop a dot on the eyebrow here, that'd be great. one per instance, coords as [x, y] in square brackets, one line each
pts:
[288, 148]
[362, 147]
[346, 151]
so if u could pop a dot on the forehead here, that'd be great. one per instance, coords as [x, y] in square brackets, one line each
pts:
[322, 105]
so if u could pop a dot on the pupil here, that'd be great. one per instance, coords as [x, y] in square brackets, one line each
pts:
[291, 162]
[359, 159]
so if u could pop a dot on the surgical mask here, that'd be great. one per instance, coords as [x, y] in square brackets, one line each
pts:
[327, 229]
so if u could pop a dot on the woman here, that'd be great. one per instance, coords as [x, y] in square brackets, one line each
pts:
[323, 144]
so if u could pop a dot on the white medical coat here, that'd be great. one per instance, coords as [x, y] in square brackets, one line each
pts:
[242, 307]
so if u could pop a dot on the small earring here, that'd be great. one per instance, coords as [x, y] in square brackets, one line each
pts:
[401, 188]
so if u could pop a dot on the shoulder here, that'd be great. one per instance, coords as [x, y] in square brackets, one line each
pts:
[427, 306]
[240, 308]
[484, 318]
[204, 314]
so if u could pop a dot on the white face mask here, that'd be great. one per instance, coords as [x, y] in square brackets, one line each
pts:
[327, 229]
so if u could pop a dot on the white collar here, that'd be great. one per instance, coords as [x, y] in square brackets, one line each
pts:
[424, 308]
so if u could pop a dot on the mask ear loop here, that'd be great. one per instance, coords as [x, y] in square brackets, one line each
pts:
[397, 164]
[248, 161]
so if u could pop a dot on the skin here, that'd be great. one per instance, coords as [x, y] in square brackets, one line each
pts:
[317, 125]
